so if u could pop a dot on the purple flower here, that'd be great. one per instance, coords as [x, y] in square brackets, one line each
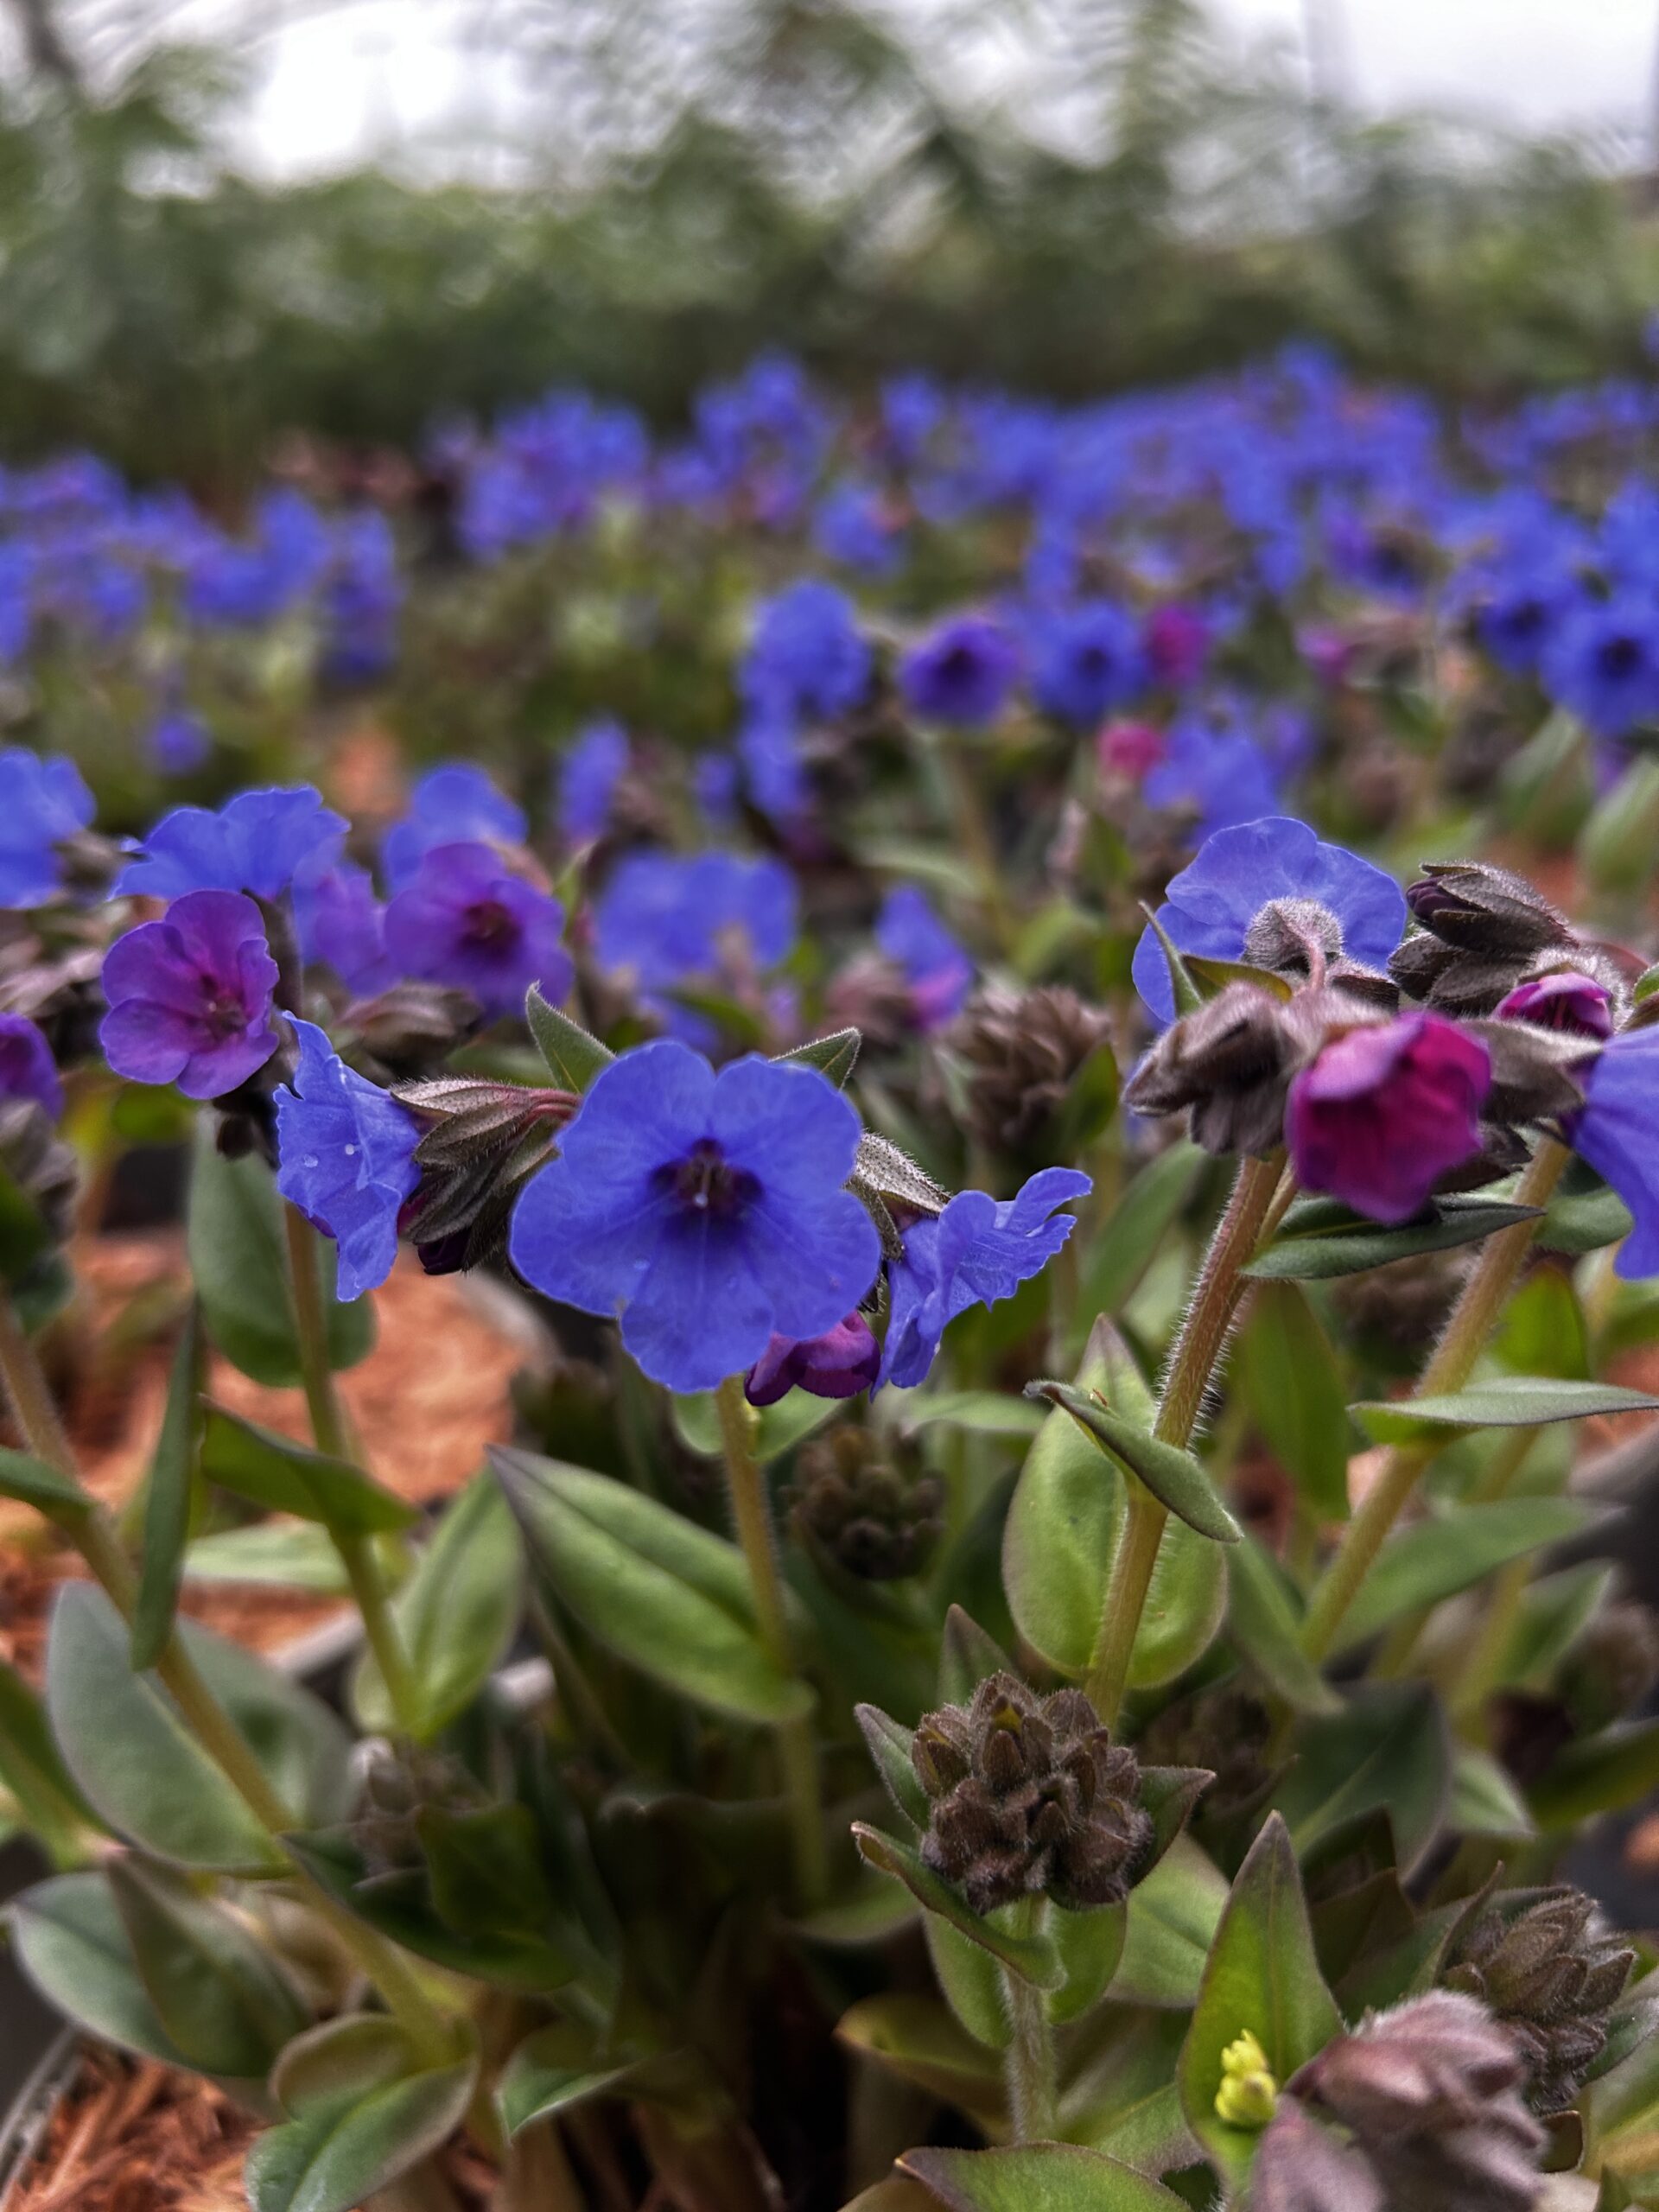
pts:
[26, 1068]
[707, 1211]
[939, 971]
[255, 842]
[588, 777]
[42, 803]
[1603, 663]
[807, 658]
[962, 673]
[190, 996]
[1210, 906]
[456, 805]
[1565, 999]
[1617, 1132]
[1177, 643]
[345, 1157]
[1085, 661]
[177, 741]
[839, 1363]
[341, 925]
[466, 918]
[1385, 1111]
[977, 1252]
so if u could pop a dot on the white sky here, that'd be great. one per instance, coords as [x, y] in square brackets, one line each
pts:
[348, 84]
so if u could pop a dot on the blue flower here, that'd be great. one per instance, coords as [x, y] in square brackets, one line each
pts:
[464, 917]
[345, 1157]
[707, 1211]
[341, 925]
[588, 777]
[254, 843]
[42, 803]
[940, 974]
[664, 918]
[854, 525]
[1616, 1131]
[962, 673]
[976, 1252]
[1603, 663]
[455, 804]
[26, 1068]
[1216, 768]
[1086, 660]
[177, 741]
[1211, 904]
[807, 658]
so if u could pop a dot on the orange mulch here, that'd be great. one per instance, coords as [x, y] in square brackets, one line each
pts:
[135, 2137]
[426, 1401]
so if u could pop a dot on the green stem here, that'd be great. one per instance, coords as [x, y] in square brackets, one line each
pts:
[1193, 1361]
[796, 1743]
[1473, 1318]
[94, 1535]
[1031, 2070]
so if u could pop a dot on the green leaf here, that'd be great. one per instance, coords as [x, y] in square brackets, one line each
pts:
[663, 1594]
[1554, 1612]
[168, 1497]
[1183, 990]
[1264, 1621]
[1584, 1220]
[970, 1981]
[775, 1430]
[1389, 1749]
[239, 1263]
[835, 1055]
[1212, 976]
[1034, 1958]
[1542, 1330]
[1090, 1099]
[977, 1412]
[889, 1743]
[1036, 2177]
[219, 1995]
[457, 1613]
[1517, 1401]
[968, 1655]
[70, 1941]
[57, 1496]
[273, 1470]
[1485, 1801]
[1090, 1944]
[919, 2040]
[1262, 1976]
[1351, 1245]
[33, 1774]
[1174, 1915]
[574, 1058]
[276, 1555]
[548, 2072]
[1174, 1477]
[1121, 1251]
[1437, 1557]
[361, 2111]
[1294, 1386]
[485, 1868]
[1603, 1774]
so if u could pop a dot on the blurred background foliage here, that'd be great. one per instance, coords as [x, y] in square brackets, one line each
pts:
[694, 180]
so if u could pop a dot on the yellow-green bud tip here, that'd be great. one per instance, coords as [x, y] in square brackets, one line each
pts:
[1249, 2095]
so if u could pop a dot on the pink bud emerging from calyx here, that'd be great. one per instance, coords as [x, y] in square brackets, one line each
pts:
[1386, 1110]
[1566, 1000]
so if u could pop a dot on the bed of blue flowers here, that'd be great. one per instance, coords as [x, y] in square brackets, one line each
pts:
[1048, 1019]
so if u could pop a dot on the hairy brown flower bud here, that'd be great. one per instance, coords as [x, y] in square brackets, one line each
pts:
[1546, 1969]
[397, 1781]
[877, 1518]
[1481, 930]
[1612, 1667]
[1021, 1049]
[1430, 2092]
[1228, 1730]
[1230, 1064]
[1030, 1796]
[411, 1026]
[1301, 2167]
[1535, 1072]
[483, 1142]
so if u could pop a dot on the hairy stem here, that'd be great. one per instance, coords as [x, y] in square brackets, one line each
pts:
[797, 1747]
[1473, 1318]
[1192, 1363]
[1031, 2067]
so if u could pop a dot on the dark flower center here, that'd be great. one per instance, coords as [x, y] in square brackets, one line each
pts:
[1620, 657]
[959, 665]
[223, 1013]
[490, 925]
[706, 1182]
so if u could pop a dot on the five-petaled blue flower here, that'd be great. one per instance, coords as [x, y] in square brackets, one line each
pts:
[41, 803]
[976, 1252]
[453, 804]
[707, 1211]
[345, 1157]
[1212, 904]
[255, 842]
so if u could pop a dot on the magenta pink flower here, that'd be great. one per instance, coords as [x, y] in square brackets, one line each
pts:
[1566, 1000]
[1384, 1112]
[840, 1363]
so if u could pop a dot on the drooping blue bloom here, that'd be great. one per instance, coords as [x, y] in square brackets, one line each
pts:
[26, 1068]
[341, 925]
[1617, 1132]
[190, 996]
[1603, 663]
[807, 658]
[1216, 768]
[345, 1157]
[1086, 660]
[963, 673]
[42, 803]
[455, 804]
[977, 1252]
[588, 777]
[707, 1212]
[1211, 905]
[937, 967]
[464, 917]
[664, 918]
[254, 843]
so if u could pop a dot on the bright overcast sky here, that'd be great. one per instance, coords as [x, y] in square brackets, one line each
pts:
[348, 84]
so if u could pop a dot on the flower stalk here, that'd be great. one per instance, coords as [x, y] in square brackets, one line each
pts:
[1032, 2066]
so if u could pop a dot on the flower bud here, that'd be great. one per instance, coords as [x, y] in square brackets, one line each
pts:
[1385, 1111]
[1022, 1048]
[396, 1781]
[482, 1143]
[1612, 1667]
[839, 1363]
[1229, 1066]
[1249, 2095]
[1481, 930]
[411, 1026]
[1551, 1975]
[1565, 999]
[877, 1519]
[1301, 2167]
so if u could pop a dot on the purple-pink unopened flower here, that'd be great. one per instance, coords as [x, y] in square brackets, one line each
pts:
[1566, 1000]
[840, 1363]
[190, 996]
[1384, 1112]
